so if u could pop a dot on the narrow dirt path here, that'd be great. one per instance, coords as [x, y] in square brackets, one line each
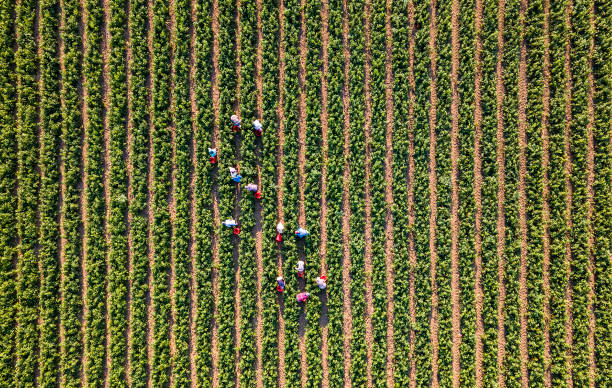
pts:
[410, 198]
[522, 194]
[83, 276]
[128, 155]
[39, 136]
[433, 193]
[590, 199]
[389, 246]
[347, 315]
[150, 186]
[455, 287]
[215, 195]
[569, 319]
[280, 184]
[193, 286]
[62, 194]
[325, 149]
[501, 197]
[546, 193]
[259, 210]
[301, 154]
[105, 90]
[369, 311]
[171, 200]
[478, 293]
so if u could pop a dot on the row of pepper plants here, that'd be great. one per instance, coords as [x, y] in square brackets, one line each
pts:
[8, 163]
[602, 221]
[138, 191]
[357, 162]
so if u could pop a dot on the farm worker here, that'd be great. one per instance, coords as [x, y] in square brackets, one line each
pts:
[235, 176]
[252, 187]
[303, 296]
[321, 282]
[213, 155]
[300, 268]
[257, 128]
[280, 284]
[236, 123]
[279, 231]
[301, 233]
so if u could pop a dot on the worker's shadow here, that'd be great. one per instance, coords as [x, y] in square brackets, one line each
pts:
[324, 319]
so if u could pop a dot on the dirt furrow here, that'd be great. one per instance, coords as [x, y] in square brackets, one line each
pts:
[128, 155]
[39, 135]
[62, 194]
[193, 286]
[325, 150]
[301, 155]
[280, 184]
[478, 293]
[150, 216]
[171, 195]
[410, 194]
[501, 196]
[369, 311]
[546, 194]
[590, 199]
[389, 246]
[569, 319]
[455, 287]
[258, 210]
[83, 199]
[347, 316]
[215, 195]
[522, 194]
[105, 90]
[433, 193]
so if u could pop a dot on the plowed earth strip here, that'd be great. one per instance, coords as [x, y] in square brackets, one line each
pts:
[433, 193]
[478, 294]
[347, 316]
[546, 194]
[368, 196]
[455, 288]
[389, 250]
[128, 154]
[522, 128]
[193, 285]
[501, 197]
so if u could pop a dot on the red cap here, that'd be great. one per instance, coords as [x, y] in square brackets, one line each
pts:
[258, 194]
[213, 159]
[236, 230]
[279, 237]
[235, 128]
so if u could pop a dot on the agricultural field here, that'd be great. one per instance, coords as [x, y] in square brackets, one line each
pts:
[452, 161]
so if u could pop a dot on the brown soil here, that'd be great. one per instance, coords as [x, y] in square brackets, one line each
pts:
[433, 194]
[215, 197]
[546, 196]
[259, 211]
[369, 311]
[568, 204]
[62, 195]
[455, 287]
[280, 184]
[410, 198]
[501, 198]
[130, 194]
[106, 39]
[325, 149]
[150, 186]
[590, 196]
[83, 197]
[347, 316]
[522, 127]
[193, 286]
[40, 171]
[478, 294]
[302, 178]
[171, 198]
[389, 251]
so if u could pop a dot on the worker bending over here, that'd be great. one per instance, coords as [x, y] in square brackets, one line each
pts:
[257, 128]
[235, 176]
[300, 269]
[236, 123]
[321, 282]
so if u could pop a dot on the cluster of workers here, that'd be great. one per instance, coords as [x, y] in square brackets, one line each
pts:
[252, 187]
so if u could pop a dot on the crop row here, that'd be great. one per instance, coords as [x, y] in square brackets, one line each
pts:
[8, 164]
